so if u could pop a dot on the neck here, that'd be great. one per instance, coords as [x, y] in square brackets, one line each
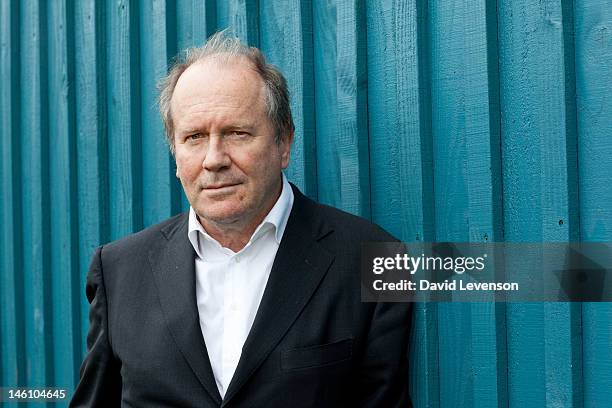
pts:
[234, 237]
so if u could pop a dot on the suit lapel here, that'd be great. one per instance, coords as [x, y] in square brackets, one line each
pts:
[300, 264]
[173, 266]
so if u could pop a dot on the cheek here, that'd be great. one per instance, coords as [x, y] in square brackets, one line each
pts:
[186, 168]
[248, 163]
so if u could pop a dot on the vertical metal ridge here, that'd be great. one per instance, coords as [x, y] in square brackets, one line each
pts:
[425, 113]
[12, 336]
[63, 211]
[134, 74]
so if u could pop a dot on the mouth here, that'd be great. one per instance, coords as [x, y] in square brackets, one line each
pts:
[219, 187]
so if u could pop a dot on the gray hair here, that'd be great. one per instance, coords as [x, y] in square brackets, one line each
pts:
[225, 47]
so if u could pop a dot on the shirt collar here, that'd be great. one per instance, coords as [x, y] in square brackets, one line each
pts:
[277, 218]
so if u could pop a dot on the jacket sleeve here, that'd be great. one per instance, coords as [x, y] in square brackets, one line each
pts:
[384, 368]
[100, 374]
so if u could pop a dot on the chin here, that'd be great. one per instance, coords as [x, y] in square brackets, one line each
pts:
[221, 216]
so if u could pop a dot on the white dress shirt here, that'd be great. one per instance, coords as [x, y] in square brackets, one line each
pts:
[230, 285]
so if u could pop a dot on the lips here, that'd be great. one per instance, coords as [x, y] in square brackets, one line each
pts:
[219, 186]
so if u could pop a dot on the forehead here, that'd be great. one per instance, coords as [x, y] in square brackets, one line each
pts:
[218, 81]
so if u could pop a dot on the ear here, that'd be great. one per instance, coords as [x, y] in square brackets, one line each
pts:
[285, 149]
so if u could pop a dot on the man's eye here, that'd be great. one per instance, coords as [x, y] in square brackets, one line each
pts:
[194, 137]
[237, 134]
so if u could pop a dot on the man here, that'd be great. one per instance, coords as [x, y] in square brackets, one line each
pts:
[252, 299]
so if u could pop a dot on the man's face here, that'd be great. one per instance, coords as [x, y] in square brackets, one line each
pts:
[226, 155]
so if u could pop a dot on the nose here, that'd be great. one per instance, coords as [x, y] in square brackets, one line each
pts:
[217, 157]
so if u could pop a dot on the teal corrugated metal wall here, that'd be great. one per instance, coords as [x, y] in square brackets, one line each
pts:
[442, 121]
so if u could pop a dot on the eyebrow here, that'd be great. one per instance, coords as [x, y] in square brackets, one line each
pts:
[190, 129]
[233, 126]
[244, 125]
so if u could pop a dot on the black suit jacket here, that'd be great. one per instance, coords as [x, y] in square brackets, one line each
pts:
[313, 342]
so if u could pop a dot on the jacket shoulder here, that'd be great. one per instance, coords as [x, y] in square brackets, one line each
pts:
[136, 242]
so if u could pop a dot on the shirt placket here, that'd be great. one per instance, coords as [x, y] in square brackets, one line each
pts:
[230, 332]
